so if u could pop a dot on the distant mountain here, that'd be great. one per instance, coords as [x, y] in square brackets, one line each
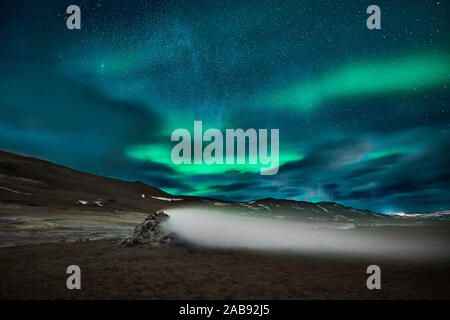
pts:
[436, 215]
[33, 182]
[289, 209]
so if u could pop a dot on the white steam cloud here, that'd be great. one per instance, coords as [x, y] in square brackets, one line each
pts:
[213, 228]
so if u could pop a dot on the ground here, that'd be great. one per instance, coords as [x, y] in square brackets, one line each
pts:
[109, 271]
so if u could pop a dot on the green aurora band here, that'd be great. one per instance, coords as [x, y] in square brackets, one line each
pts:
[353, 80]
[370, 78]
[162, 154]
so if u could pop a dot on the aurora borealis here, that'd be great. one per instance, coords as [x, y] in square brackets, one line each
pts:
[408, 73]
[363, 114]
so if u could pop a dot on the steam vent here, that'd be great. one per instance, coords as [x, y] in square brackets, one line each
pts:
[149, 231]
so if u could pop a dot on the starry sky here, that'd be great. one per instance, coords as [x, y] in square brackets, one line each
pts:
[363, 114]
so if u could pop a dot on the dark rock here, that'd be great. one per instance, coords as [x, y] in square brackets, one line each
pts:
[149, 231]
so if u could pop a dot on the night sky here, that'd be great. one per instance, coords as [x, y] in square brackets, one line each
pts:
[363, 114]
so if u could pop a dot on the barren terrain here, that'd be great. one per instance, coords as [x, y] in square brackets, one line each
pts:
[111, 272]
[52, 217]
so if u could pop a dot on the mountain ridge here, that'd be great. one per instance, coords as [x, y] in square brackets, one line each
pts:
[35, 182]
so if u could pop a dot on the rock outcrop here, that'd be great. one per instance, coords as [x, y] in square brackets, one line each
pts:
[149, 231]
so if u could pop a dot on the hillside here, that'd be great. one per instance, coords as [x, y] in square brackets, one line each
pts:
[34, 182]
[37, 183]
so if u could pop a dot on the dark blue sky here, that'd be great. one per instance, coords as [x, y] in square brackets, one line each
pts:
[363, 114]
